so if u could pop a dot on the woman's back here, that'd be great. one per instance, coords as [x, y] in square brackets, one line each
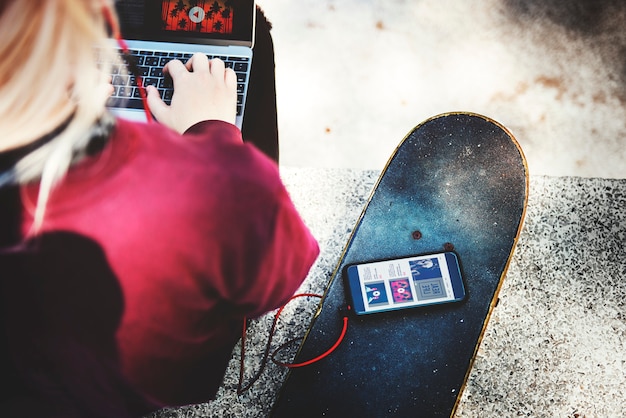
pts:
[199, 233]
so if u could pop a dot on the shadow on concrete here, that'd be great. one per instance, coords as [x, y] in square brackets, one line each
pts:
[602, 23]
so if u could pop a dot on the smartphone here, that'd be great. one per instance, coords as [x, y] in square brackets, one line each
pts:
[401, 283]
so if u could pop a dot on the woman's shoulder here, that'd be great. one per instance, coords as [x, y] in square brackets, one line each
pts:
[209, 131]
[212, 153]
[154, 138]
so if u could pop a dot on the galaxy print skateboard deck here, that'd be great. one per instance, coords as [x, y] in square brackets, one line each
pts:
[457, 182]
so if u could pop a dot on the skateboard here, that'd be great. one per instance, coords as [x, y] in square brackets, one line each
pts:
[457, 182]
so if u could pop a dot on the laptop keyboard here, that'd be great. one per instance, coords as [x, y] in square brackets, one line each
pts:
[150, 64]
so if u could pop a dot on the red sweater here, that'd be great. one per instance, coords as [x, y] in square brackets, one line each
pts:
[199, 231]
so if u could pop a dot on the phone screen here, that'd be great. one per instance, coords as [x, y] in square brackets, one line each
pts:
[405, 283]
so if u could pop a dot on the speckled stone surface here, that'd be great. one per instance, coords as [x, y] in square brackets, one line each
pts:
[556, 342]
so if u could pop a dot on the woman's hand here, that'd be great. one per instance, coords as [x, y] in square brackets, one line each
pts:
[203, 90]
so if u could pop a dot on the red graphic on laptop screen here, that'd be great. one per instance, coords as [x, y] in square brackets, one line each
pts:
[210, 16]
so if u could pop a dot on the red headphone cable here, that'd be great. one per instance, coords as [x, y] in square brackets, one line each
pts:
[241, 388]
[132, 66]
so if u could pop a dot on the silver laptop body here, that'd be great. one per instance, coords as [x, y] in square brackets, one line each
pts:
[157, 31]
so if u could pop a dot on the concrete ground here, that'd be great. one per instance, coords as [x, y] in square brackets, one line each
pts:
[355, 76]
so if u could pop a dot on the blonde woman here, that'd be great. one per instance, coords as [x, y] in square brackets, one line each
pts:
[129, 253]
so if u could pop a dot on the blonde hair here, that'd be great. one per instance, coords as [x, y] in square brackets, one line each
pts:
[49, 75]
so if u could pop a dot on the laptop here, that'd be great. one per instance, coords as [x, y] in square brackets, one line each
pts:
[157, 31]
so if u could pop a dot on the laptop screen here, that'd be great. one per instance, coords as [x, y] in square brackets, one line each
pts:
[200, 21]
